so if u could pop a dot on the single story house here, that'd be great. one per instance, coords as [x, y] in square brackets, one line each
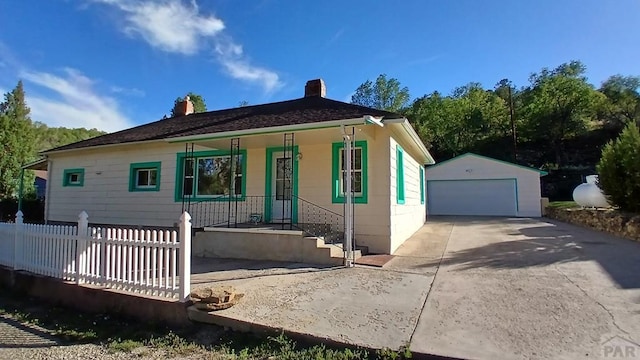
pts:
[472, 184]
[282, 162]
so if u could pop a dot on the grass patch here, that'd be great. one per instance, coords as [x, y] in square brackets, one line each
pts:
[125, 335]
[563, 204]
[126, 345]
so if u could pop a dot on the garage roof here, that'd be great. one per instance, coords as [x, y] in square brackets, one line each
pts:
[541, 172]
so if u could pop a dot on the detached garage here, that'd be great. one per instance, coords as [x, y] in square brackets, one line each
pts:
[472, 184]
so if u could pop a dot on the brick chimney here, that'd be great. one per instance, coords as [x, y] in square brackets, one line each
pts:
[315, 88]
[185, 107]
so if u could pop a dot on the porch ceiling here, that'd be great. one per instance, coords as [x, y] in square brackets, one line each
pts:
[304, 137]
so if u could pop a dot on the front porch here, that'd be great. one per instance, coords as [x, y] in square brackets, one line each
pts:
[269, 183]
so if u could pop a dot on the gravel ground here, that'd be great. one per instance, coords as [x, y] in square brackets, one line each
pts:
[20, 341]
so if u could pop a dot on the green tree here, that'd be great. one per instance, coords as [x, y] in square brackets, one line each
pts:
[17, 141]
[623, 100]
[619, 170]
[198, 103]
[51, 137]
[559, 104]
[384, 94]
[460, 122]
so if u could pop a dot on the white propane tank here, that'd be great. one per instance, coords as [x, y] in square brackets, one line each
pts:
[589, 194]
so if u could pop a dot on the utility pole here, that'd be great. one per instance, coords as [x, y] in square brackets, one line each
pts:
[513, 126]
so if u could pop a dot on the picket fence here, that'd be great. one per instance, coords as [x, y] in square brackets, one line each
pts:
[144, 262]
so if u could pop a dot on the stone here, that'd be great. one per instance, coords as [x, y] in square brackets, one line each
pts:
[203, 306]
[215, 298]
[612, 221]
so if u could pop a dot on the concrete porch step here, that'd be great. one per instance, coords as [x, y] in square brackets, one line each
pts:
[332, 253]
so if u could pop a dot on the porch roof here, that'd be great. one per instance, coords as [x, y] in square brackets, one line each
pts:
[307, 110]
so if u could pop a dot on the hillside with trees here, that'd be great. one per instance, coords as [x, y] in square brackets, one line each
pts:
[51, 137]
[558, 122]
[22, 140]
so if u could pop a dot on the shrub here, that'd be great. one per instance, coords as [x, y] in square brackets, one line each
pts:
[619, 170]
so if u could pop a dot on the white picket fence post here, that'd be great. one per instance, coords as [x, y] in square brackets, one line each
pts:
[185, 256]
[18, 240]
[81, 246]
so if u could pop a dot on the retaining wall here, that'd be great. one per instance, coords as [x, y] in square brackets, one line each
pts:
[615, 222]
[95, 299]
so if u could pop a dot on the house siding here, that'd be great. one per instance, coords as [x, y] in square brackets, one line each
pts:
[372, 224]
[105, 193]
[408, 217]
[527, 181]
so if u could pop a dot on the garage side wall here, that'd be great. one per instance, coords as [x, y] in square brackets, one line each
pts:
[478, 168]
[407, 217]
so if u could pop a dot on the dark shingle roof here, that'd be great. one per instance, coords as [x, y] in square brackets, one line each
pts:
[299, 111]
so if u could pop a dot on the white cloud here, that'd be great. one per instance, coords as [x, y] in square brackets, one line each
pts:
[127, 91]
[237, 66]
[75, 104]
[178, 27]
[169, 25]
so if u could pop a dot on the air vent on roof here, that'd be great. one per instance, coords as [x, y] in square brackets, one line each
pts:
[315, 88]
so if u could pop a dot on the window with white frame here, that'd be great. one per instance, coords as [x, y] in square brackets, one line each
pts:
[144, 176]
[359, 172]
[356, 165]
[73, 177]
[212, 175]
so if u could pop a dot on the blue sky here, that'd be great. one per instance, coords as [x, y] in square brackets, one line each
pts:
[111, 64]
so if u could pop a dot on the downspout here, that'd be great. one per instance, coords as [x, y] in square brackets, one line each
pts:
[348, 216]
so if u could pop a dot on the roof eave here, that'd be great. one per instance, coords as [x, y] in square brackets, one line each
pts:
[40, 164]
[272, 129]
[414, 137]
[49, 152]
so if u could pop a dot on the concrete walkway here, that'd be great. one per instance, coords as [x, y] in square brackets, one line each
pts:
[480, 288]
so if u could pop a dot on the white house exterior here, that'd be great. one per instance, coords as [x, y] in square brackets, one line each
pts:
[131, 179]
[472, 184]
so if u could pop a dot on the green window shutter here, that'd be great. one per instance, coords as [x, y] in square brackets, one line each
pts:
[421, 185]
[399, 175]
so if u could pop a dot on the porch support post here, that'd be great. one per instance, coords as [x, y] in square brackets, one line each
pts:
[184, 271]
[348, 200]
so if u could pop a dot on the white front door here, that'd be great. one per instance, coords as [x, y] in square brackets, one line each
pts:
[282, 184]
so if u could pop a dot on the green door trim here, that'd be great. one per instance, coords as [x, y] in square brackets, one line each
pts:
[269, 180]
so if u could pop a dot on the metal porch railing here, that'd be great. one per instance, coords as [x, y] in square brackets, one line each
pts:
[256, 211]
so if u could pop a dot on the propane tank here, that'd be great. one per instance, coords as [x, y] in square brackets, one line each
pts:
[589, 194]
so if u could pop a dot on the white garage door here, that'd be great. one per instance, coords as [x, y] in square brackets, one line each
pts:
[472, 197]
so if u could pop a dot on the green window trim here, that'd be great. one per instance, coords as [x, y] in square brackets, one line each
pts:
[336, 196]
[134, 168]
[69, 174]
[180, 157]
[399, 174]
[422, 197]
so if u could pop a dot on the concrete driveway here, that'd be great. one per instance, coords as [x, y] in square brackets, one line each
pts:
[472, 288]
[524, 288]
